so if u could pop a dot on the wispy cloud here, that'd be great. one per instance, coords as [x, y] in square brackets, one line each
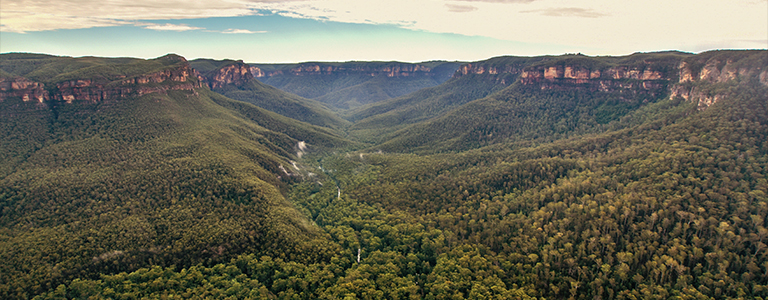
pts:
[460, 8]
[39, 15]
[241, 31]
[169, 27]
[499, 1]
[23, 21]
[567, 12]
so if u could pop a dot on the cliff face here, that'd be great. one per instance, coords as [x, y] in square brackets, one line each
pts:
[95, 90]
[646, 80]
[691, 77]
[309, 69]
[347, 85]
[479, 68]
[698, 86]
[23, 88]
[236, 74]
[158, 82]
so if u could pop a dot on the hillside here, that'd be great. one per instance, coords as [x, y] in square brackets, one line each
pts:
[553, 177]
[352, 84]
[115, 164]
[234, 80]
[558, 97]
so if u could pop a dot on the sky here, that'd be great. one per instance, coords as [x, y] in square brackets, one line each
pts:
[274, 31]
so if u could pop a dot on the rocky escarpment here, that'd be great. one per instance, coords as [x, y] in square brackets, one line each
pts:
[23, 88]
[480, 68]
[367, 69]
[708, 80]
[237, 74]
[645, 79]
[574, 72]
[352, 84]
[696, 78]
[159, 82]
[101, 88]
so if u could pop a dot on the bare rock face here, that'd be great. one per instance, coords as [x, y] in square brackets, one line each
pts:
[24, 88]
[95, 91]
[386, 70]
[236, 74]
[158, 82]
[630, 80]
[257, 72]
[581, 74]
[480, 68]
[696, 85]
[691, 77]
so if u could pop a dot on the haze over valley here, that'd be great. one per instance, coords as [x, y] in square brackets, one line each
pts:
[516, 177]
[400, 150]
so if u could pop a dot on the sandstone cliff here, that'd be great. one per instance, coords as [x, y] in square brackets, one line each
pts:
[367, 69]
[676, 74]
[237, 74]
[346, 85]
[102, 88]
[23, 88]
[707, 80]
[644, 79]
[159, 82]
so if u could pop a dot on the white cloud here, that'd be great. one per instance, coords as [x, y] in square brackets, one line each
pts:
[23, 21]
[169, 27]
[499, 1]
[614, 26]
[567, 12]
[241, 31]
[38, 15]
[460, 8]
[25, 15]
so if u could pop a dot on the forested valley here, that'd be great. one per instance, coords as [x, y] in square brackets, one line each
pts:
[644, 186]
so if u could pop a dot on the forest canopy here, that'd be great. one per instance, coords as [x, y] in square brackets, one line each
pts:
[513, 191]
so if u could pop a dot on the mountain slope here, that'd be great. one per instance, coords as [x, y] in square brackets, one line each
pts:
[638, 177]
[670, 206]
[352, 84]
[563, 96]
[234, 80]
[129, 163]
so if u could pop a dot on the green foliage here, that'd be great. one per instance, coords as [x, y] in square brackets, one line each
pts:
[353, 83]
[163, 179]
[474, 110]
[267, 97]
[523, 115]
[210, 65]
[286, 104]
[634, 198]
[53, 69]
[374, 122]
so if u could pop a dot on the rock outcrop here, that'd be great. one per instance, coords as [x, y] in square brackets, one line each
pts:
[696, 85]
[656, 74]
[236, 74]
[619, 79]
[158, 82]
[23, 88]
[369, 69]
[96, 90]
[479, 68]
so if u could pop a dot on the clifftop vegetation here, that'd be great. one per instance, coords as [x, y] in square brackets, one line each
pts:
[486, 187]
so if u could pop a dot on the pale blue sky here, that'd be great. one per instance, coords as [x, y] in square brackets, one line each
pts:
[270, 38]
[404, 30]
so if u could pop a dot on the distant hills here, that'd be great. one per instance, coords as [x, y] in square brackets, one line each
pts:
[114, 164]
[633, 177]
[541, 99]
[235, 80]
[353, 84]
